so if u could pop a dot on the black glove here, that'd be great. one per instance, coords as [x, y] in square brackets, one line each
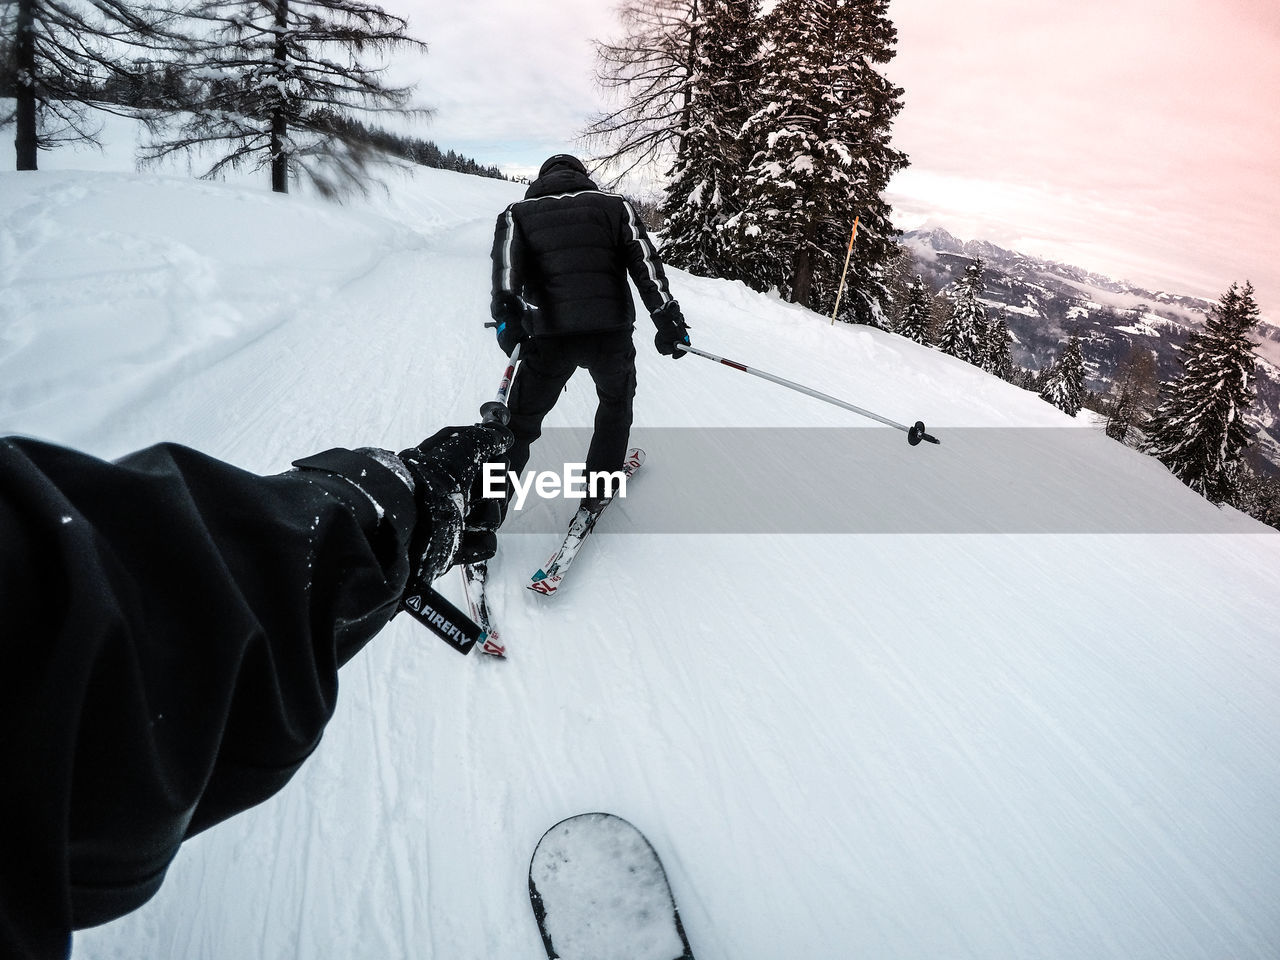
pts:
[671, 330]
[455, 523]
[508, 316]
[510, 336]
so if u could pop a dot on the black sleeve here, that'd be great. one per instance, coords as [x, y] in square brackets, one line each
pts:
[643, 262]
[507, 256]
[171, 630]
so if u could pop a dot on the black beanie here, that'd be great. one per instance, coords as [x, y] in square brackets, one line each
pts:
[562, 160]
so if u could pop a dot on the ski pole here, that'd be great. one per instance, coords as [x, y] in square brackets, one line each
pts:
[843, 273]
[495, 410]
[423, 602]
[915, 433]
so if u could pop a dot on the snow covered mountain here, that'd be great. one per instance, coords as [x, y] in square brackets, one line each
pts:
[1045, 302]
[1012, 696]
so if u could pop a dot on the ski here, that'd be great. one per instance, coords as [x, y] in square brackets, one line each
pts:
[599, 890]
[476, 575]
[474, 578]
[550, 575]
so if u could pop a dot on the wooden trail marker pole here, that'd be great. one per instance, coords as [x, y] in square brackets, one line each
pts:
[845, 271]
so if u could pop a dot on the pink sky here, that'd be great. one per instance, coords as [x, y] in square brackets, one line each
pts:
[1138, 138]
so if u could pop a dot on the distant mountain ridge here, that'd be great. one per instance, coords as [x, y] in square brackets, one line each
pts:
[1045, 302]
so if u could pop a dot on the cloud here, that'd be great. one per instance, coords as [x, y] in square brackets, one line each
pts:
[507, 70]
[1133, 131]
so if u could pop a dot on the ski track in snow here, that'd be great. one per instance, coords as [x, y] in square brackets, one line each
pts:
[983, 745]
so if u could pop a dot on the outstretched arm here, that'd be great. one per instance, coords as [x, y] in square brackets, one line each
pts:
[172, 632]
[171, 629]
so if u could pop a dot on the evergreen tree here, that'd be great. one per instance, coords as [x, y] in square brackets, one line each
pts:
[1258, 495]
[1134, 388]
[963, 331]
[939, 314]
[820, 156]
[703, 192]
[60, 54]
[900, 274]
[1198, 430]
[999, 361]
[914, 322]
[144, 85]
[1026, 379]
[871, 36]
[286, 73]
[422, 152]
[1064, 384]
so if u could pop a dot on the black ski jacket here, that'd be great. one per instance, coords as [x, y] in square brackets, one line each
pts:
[171, 629]
[565, 251]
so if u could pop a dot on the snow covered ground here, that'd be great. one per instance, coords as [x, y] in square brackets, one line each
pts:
[1022, 700]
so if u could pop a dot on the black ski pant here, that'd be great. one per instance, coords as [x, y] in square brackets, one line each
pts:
[546, 365]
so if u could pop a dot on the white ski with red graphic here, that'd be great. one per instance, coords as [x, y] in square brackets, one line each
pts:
[552, 573]
[474, 578]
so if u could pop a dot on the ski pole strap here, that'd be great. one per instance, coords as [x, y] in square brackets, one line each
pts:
[915, 433]
[424, 604]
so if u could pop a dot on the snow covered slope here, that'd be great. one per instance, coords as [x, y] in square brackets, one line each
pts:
[1021, 702]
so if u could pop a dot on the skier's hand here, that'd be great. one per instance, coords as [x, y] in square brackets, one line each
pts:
[672, 329]
[510, 336]
[508, 317]
[455, 523]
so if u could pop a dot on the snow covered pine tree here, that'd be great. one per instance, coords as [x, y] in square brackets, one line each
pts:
[963, 332]
[1198, 430]
[999, 361]
[1064, 384]
[821, 156]
[711, 159]
[914, 323]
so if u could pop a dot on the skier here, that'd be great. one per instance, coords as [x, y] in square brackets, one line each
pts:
[171, 630]
[560, 262]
